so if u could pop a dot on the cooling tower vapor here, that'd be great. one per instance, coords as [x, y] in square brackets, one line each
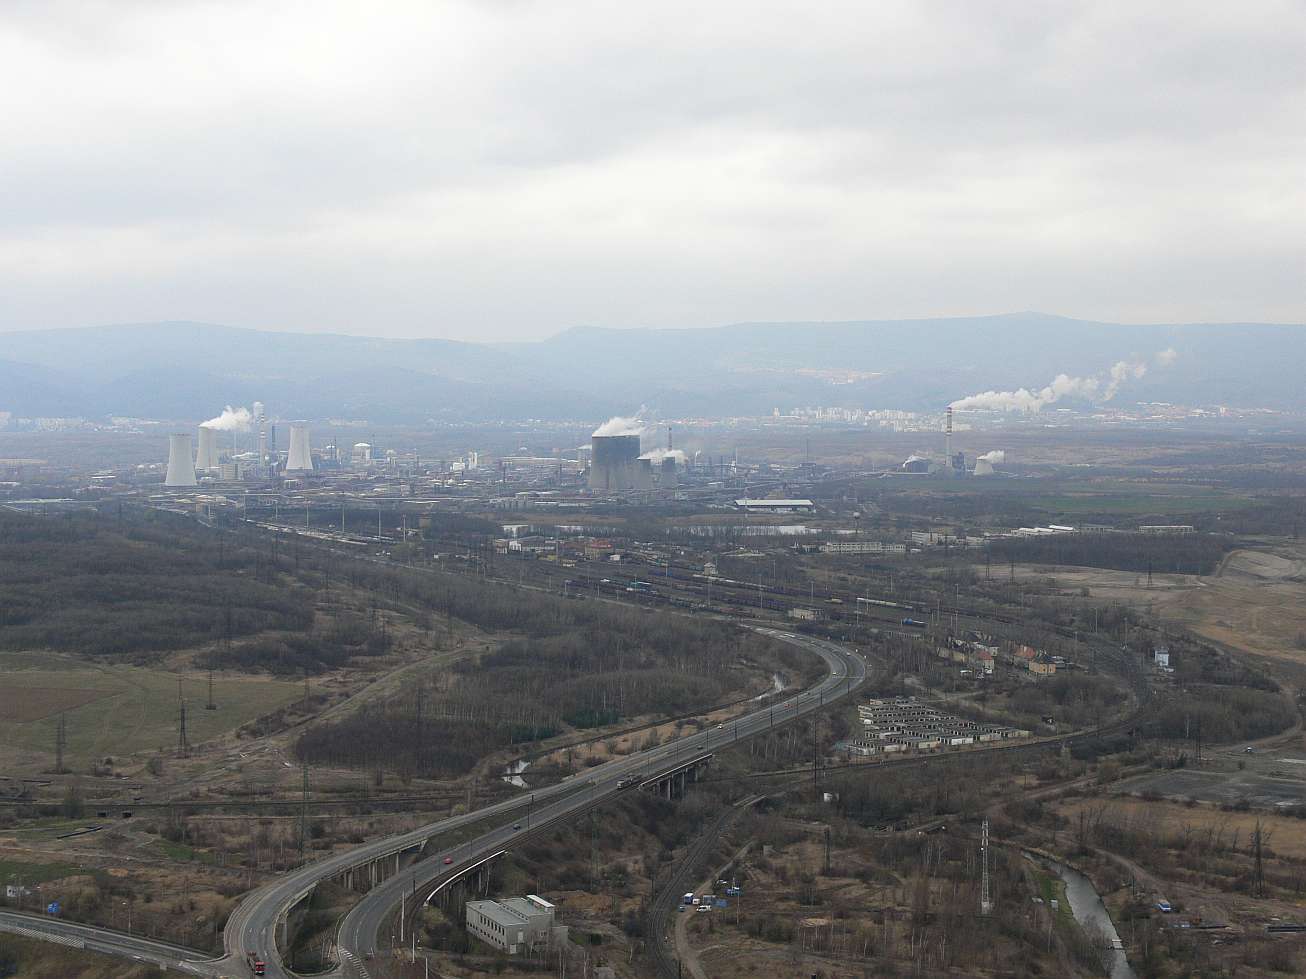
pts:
[994, 458]
[1064, 386]
[656, 456]
[620, 426]
[1167, 357]
[231, 420]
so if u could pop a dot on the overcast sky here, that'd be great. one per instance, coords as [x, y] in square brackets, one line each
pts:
[509, 169]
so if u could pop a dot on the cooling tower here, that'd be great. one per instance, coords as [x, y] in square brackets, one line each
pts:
[614, 463]
[300, 459]
[206, 457]
[181, 468]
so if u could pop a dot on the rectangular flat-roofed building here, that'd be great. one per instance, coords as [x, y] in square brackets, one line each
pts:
[515, 925]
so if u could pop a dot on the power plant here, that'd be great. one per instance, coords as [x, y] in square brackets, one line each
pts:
[181, 467]
[300, 459]
[206, 456]
[615, 464]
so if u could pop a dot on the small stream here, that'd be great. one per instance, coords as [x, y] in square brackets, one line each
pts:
[512, 774]
[777, 686]
[1087, 907]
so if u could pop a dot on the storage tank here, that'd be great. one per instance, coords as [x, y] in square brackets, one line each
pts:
[614, 463]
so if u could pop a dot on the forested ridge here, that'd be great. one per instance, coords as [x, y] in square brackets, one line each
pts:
[621, 664]
[134, 587]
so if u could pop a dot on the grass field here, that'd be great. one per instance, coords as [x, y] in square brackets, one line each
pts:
[1137, 503]
[117, 710]
[13, 871]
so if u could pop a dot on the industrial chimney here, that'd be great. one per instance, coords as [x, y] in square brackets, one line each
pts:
[206, 457]
[947, 439]
[181, 468]
[300, 459]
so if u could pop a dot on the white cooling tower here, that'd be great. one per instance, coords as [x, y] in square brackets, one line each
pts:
[300, 459]
[206, 456]
[181, 467]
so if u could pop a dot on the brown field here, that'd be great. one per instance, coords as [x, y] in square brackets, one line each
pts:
[1284, 835]
[1256, 602]
[19, 705]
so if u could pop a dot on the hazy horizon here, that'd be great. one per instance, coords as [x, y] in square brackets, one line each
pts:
[485, 171]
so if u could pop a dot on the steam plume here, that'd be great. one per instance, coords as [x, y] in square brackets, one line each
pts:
[621, 426]
[1065, 386]
[657, 455]
[231, 420]
[996, 457]
[1122, 371]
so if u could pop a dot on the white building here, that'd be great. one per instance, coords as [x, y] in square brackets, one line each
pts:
[515, 925]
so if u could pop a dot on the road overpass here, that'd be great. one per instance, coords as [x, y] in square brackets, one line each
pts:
[252, 926]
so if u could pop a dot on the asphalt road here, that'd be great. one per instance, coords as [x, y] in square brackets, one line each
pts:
[251, 927]
[73, 935]
[361, 931]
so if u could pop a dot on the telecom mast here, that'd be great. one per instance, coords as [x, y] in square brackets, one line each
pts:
[986, 896]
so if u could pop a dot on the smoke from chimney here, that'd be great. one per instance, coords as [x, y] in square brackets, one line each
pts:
[1106, 385]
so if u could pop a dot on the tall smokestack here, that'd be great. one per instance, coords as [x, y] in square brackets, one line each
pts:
[299, 459]
[181, 467]
[206, 456]
[947, 439]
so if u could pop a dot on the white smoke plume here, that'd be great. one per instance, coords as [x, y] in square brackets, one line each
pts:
[231, 420]
[1064, 386]
[1023, 399]
[657, 455]
[1122, 371]
[634, 425]
[996, 457]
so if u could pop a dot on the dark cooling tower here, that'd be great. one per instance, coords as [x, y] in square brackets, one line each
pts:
[614, 463]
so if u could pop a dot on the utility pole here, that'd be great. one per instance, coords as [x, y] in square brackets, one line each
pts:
[303, 813]
[986, 895]
[60, 743]
[183, 744]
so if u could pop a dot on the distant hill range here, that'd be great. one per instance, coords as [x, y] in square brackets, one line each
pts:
[188, 370]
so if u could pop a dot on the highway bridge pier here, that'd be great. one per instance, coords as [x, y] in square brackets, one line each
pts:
[671, 783]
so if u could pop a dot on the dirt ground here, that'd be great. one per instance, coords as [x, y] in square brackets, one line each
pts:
[1256, 600]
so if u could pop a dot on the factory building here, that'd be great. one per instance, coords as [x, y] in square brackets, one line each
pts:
[776, 506]
[516, 925]
[615, 465]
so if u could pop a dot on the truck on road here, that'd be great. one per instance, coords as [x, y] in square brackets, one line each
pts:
[256, 965]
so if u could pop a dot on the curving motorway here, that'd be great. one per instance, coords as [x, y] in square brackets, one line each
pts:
[252, 926]
[73, 935]
[361, 932]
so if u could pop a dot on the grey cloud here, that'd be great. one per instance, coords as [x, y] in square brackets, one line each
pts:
[513, 168]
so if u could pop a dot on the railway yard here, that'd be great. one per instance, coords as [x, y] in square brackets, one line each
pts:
[859, 708]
